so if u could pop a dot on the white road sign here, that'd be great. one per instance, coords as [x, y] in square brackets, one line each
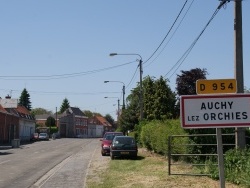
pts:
[214, 111]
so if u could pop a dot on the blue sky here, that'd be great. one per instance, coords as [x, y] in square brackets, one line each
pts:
[41, 39]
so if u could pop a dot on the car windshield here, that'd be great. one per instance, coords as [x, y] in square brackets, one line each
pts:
[124, 140]
[42, 134]
[109, 137]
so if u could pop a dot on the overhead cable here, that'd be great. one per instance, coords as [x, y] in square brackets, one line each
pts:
[61, 76]
[167, 33]
[186, 53]
[171, 35]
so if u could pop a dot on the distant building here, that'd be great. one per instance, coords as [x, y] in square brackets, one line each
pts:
[73, 123]
[9, 126]
[26, 122]
[42, 118]
[98, 125]
[24, 128]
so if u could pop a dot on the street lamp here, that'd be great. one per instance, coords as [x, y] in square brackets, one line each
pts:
[123, 92]
[118, 100]
[141, 91]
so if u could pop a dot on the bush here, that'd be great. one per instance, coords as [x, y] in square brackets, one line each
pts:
[154, 136]
[237, 166]
[53, 129]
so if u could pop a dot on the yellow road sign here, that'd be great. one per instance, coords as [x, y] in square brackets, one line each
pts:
[216, 86]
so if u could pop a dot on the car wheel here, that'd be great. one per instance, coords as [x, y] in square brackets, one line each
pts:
[103, 153]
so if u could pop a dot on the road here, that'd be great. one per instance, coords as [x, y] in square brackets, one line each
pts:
[55, 163]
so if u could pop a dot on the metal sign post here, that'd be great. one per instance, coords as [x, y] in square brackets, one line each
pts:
[220, 157]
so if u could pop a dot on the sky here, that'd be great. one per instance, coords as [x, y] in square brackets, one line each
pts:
[60, 49]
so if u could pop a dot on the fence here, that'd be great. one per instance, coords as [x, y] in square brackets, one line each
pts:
[187, 166]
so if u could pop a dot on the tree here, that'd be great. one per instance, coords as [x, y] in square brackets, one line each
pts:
[186, 82]
[164, 100]
[50, 122]
[127, 120]
[65, 105]
[39, 111]
[88, 113]
[149, 93]
[159, 100]
[24, 99]
[110, 119]
[159, 103]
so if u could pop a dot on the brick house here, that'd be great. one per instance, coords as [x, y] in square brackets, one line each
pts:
[73, 123]
[26, 122]
[98, 125]
[25, 127]
[9, 128]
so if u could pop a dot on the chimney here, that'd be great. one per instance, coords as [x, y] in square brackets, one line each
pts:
[8, 97]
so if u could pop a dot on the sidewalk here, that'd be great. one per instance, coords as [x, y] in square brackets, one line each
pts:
[5, 147]
[73, 171]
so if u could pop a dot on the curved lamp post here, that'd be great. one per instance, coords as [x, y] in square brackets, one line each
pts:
[123, 92]
[141, 91]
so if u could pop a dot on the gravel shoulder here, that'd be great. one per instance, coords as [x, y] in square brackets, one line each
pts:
[97, 166]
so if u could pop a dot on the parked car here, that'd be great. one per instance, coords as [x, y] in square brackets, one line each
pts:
[123, 146]
[107, 140]
[34, 137]
[43, 136]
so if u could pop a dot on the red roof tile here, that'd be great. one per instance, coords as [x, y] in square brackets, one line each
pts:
[103, 121]
[23, 110]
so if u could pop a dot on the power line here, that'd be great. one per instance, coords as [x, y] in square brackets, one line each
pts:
[61, 76]
[132, 78]
[167, 32]
[62, 92]
[186, 53]
[171, 35]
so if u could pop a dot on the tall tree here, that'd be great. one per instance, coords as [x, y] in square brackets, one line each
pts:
[149, 92]
[65, 105]
[110, 119]
[164, 100]
[159, 103]
[24, 99]
[186, 82]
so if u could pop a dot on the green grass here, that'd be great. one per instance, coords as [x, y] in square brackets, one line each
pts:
[149, 170]
[132, 173]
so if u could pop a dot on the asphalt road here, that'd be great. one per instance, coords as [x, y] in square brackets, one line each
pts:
[55, 163]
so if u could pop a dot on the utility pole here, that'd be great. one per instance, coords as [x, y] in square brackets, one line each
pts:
[123, 96]
[141, 90]
[118, 114]
[238, 63]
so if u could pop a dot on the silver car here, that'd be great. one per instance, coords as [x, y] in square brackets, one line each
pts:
[43, 136]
